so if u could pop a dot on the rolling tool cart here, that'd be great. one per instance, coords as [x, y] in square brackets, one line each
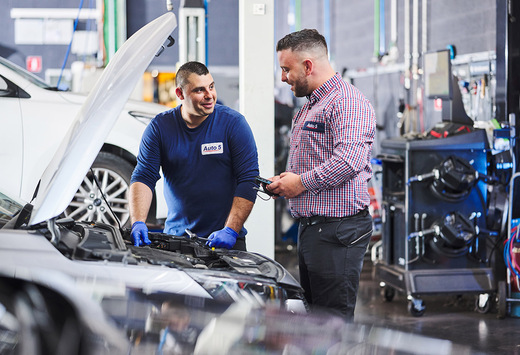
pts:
[434, 236]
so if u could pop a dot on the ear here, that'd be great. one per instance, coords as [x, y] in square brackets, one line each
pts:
[178, 92]
[308, 65]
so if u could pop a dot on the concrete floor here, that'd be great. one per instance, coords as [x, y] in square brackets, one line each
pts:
[447, 317]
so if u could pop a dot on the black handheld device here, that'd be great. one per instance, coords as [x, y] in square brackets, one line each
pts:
[262, 182]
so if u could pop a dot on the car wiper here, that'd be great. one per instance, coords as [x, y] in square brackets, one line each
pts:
[52, 225]
[55, 88]
[20, 219]
[55, 232]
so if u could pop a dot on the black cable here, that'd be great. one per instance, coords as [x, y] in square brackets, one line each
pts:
[262, 191]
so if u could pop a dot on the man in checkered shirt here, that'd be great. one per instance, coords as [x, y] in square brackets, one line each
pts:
[327, 173]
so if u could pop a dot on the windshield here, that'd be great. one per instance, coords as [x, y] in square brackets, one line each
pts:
[27, 75]
[9, 207]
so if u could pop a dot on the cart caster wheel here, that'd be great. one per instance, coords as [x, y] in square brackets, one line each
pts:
[416, 307]
[501, 300]
[388, 293]
[483, 303]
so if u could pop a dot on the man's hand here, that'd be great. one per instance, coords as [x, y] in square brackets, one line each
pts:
[288, 185]
[140, 234]
[224, 238]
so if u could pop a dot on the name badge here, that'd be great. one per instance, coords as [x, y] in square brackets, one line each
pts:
[314, 126]
[212, 148]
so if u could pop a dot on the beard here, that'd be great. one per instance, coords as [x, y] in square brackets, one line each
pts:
[300, 87]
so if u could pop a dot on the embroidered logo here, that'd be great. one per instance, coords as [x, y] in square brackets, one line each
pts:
[212, 148]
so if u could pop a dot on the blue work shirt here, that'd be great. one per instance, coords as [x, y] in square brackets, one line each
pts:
[204, 168]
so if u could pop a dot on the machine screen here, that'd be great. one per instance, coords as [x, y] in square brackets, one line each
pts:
[437, 75]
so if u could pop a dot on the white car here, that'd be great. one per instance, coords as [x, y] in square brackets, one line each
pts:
[36, 237]
[35, 118]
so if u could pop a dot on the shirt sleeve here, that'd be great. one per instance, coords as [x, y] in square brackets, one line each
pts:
[149, 158]
[352, 123]
[245, 158]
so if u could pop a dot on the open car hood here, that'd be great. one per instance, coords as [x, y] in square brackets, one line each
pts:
[77, 152]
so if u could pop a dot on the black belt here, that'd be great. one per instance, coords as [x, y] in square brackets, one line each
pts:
[313, 220]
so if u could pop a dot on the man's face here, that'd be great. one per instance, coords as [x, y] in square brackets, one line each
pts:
[293, 72]
[199, 95]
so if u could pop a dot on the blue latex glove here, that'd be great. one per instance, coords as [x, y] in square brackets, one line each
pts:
[224, 238]
[140, 234]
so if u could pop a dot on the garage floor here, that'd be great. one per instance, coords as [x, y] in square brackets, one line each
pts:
[447, 317]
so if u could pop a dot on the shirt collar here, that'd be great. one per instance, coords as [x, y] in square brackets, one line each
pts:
[323, 90]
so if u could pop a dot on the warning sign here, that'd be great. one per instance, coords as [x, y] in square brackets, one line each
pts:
[34, 63]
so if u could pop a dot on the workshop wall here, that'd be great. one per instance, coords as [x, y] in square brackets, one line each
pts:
[469, 25]
[53, 55]
[222, 32]
[139, 13]
[222, 29]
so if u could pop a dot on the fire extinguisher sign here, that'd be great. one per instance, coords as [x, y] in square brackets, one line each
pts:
[34, 63]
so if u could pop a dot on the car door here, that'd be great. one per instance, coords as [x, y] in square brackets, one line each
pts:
[11, 148]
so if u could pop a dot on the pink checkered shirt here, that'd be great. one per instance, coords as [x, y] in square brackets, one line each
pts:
[331, 147]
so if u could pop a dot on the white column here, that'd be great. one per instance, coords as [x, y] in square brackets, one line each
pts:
[257, 55]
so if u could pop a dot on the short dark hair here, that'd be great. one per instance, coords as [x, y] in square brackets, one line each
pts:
[188, 68]
[303, 40]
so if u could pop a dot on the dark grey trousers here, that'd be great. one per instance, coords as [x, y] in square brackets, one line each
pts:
[330, 261]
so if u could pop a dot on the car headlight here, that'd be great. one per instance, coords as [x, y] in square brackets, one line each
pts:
[226, 288]
[143, 117]
[255, 264]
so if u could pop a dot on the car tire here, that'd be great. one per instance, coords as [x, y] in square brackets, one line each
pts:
[113, 175]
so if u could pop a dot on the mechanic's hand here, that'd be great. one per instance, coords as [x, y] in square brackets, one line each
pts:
[224, 238]
[140, 234]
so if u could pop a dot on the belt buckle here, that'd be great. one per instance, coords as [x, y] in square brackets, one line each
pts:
[306, 221]
[315, 220]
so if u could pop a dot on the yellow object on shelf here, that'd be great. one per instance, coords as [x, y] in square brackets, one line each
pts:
[159, 88]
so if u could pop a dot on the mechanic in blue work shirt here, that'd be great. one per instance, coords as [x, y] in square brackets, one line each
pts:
[209, 161]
